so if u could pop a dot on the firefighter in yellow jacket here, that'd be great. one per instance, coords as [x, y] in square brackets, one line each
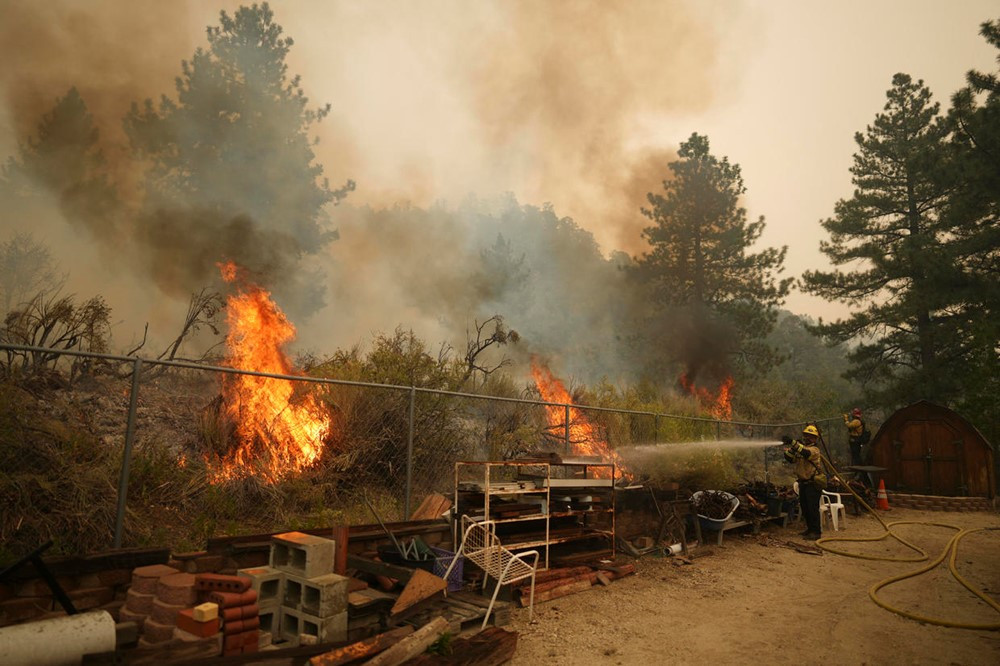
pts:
[805, 456]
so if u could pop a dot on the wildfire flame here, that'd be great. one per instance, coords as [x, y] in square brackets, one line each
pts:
[719, 404]
[276, 436]
[582, 433]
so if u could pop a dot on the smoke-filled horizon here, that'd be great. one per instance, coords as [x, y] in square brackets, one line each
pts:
[541, 100]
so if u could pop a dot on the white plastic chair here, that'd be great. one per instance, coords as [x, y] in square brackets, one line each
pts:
[832, 505]
[481, 546]
[795, 514]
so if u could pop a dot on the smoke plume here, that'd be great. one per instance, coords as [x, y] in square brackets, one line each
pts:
[431, 103]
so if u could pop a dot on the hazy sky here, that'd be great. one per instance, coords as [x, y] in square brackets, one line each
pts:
[781, 87]
[577, 104]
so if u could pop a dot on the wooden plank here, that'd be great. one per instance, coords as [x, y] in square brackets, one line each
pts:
[422, 585]
[491, 647]
[366, 648]
[432, 508]
[412, 645]
[379, 568]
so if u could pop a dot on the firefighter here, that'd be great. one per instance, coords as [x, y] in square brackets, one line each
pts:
[806, 458]
[857, 435]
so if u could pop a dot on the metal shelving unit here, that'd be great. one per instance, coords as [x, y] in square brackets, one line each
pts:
[486, 482]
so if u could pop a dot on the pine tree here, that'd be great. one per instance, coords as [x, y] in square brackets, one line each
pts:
[974, 213]
[231, 162]
[889, 235]
[65, 160]
[700, 264]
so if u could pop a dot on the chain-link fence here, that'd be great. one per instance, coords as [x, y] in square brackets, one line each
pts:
[387, 444]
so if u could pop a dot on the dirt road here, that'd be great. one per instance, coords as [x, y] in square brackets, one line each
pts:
[756, 601]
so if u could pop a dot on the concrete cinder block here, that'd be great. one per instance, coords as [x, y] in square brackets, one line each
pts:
[326, 629]
[321, 596]
[302, 555]
[270, 621]
[269, 584]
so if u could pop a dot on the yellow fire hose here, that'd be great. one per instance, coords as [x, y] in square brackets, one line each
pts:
[950, 551]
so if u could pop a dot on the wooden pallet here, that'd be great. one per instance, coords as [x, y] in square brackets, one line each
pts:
[462, 610]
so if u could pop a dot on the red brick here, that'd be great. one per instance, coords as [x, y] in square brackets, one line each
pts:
[6, 592]
[234, 614]
[218, 583]
[137, 602]
[88, 599]
[251, 637]
[186, 622]
[234, 641]
[249, 611]
[156, 632]
[126, 615]
[20, 609]
[165, 613]
[234, 627]
[253, 647]
[177, 589]
[144, 579]
[230, 599]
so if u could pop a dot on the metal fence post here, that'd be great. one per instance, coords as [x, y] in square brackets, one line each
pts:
[409, 455]
[127, 454]
[566, 429]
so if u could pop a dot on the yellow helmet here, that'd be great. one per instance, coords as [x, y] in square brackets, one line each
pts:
[811, 430]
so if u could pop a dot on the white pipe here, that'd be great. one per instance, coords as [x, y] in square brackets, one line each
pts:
[61, 640]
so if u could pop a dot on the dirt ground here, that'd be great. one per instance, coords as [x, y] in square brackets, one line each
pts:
[754, 600]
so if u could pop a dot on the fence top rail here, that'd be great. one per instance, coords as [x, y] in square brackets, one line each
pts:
[190, 365]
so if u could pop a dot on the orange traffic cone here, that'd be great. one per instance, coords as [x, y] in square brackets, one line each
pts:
[882, 498]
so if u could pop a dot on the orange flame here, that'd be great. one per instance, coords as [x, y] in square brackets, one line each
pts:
[582, 433]
[719, 405]
[276, 437]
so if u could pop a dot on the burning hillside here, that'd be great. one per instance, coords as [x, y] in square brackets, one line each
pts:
[583, 435]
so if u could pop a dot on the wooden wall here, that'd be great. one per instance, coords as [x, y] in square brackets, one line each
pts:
[929, 449]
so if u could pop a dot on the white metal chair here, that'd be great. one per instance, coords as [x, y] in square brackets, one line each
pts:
[832, 505]
[481, 546]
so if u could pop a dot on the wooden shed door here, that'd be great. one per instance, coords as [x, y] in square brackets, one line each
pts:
[929, 458]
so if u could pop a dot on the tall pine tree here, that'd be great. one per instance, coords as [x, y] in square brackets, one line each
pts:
[231, 168]
[974, 212]
[897, 275]
[719, 298]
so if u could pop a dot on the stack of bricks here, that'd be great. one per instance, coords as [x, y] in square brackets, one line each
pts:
[314, 599]
[938, 503]
[142, 593]
[237, 608]
[269, 584]
[174, 593]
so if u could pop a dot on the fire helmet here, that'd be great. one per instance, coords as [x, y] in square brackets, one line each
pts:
[856, 412]
[811, 430]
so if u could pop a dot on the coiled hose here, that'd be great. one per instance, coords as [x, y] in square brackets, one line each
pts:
[950, 551]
